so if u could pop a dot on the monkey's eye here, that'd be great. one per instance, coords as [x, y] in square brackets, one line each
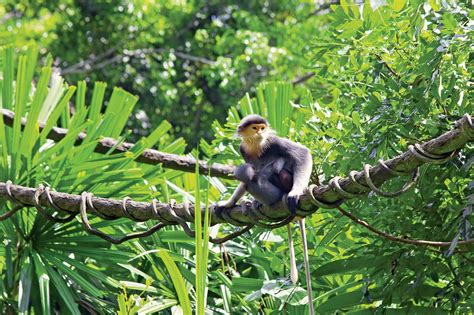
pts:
[263, 128]
[254, 128]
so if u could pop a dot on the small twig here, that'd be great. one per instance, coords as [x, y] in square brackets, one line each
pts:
[193, 58]
[8, 16]
[86, 64]
[98, 62]
[303, 78]
[396, 238]
[324, 7]
[393, 72]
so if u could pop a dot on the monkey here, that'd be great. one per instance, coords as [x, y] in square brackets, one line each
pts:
[261, 148]
[274, 167]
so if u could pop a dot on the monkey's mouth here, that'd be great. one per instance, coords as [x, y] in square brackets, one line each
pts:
[254, 138]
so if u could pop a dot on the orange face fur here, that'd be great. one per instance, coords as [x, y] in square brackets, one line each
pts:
[253, 138]
[253, 131]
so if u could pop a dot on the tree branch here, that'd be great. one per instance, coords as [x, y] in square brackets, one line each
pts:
[99, 61]
[86, 65]
[149, 156]
[323, 8]
[397, 238]
[9, 16]
[303, 78]
[406, 162]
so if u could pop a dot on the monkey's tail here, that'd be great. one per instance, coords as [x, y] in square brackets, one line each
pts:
[293, 270]
[307, 269]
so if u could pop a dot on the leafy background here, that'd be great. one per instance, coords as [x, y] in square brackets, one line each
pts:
[386, 74]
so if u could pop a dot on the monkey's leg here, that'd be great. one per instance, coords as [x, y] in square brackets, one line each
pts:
[278, 165]
[309, 289]
[262, 189]
[245, 172]
[293, 270]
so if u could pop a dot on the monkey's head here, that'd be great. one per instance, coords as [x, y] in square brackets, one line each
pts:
[253, 128]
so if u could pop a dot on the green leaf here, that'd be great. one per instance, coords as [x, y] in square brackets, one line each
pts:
[177, 236]
[97, 100]
[43, 281]
[56, 112]
[349, 29]
[66, 294]
[342, 301]
[178, 281]
[450, 22]
[72, 274]
[56, 90]
[21, 92]
[80, 266]
[138, 286]
[156, 306]
[81, 95]
[355, 264]
[26, 278]
[8, 77]
[398, 5]
[356, 118]
[243, 284]
[31, 129]
[118, 111]
[435, 4]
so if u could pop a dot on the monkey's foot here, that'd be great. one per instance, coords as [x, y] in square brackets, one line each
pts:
[256, 204]
[244, 201]
[291, 202]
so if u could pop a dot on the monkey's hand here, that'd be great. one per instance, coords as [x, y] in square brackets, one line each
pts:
[238, 193]
[292, 201]
[224, 204]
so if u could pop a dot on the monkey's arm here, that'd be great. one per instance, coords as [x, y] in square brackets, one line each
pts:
[245, 173]
[238, 193]
[303, 164]
[301, 171]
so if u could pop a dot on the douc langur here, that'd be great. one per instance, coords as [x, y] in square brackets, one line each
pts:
[274, 167]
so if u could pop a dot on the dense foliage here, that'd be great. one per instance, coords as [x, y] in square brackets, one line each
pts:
[187, 61]
[385, 76]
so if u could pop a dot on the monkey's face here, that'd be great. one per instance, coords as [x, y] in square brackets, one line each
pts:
[254, 131]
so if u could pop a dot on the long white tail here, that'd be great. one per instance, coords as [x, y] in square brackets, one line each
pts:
[293, 270]
[306, 266]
